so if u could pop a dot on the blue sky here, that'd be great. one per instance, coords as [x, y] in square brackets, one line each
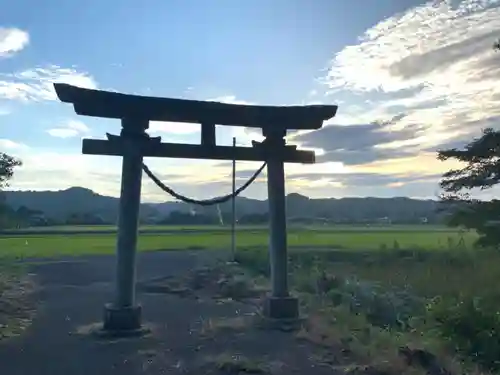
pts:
[409, 77]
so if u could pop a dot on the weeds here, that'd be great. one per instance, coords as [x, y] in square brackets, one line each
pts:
[235, 364]
[235, 324]
[390, 306]
[16, 309]
[471, 326]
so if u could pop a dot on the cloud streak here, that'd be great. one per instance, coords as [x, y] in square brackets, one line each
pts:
[243, 135]
[10, 145]
[12, 40]
[176, 128]
[72, 128]
[436, 60]
[356, 143]
[37, 84]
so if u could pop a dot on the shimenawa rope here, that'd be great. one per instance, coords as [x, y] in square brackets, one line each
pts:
[201, 202]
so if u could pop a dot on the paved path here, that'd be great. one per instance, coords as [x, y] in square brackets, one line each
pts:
[73, 292]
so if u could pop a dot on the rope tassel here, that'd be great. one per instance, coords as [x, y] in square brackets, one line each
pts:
[202, 202]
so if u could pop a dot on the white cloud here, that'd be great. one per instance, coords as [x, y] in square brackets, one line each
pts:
[178, 128]
[37, 84]
[71, 129]
[307, 183]
[62, 132]
[229, 99]
[243, 135]
[12, 40]
[9, 145]
[435, 62]
[44, 169]
[313, 92]
[421, 165]
[48, 170]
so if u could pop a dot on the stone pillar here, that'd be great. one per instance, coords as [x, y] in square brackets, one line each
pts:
[123, 314]
[279, 305]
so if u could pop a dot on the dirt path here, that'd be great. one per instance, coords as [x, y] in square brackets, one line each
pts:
[73, 292]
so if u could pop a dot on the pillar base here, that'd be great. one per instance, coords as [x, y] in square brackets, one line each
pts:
[122, 321]
[281, 308]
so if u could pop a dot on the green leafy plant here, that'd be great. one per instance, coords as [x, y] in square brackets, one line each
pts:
[471, 325]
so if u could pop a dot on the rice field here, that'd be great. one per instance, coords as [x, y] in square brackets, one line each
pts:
[87, 240]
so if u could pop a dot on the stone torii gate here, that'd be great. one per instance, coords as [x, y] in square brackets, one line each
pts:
[133, 143]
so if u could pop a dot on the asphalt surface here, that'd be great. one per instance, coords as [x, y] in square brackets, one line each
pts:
[71, 298]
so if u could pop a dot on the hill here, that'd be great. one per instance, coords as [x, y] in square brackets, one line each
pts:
[59, 205]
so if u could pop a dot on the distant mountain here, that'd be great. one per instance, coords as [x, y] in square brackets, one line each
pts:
[60, 205]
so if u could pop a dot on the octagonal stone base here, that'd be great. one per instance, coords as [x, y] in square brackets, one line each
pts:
[122, 321]
[281, 308]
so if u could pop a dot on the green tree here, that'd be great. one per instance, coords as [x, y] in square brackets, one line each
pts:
[7, 165]
[481, 159]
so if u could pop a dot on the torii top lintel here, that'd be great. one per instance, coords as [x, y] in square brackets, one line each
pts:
[108, 104]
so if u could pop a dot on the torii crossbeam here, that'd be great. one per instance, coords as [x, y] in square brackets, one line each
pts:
[133, 144]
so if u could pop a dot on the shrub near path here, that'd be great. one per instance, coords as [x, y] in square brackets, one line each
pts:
[395, 311]
[16, 302]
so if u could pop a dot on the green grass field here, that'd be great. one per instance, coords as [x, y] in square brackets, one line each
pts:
[90, 241]
[219, 228]
[438, 271]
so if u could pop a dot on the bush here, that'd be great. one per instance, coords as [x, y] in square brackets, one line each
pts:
[256, 261]
[471, 325]
[385, 308]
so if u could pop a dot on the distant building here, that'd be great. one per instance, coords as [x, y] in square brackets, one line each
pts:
[383, 220]
[37, 220]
